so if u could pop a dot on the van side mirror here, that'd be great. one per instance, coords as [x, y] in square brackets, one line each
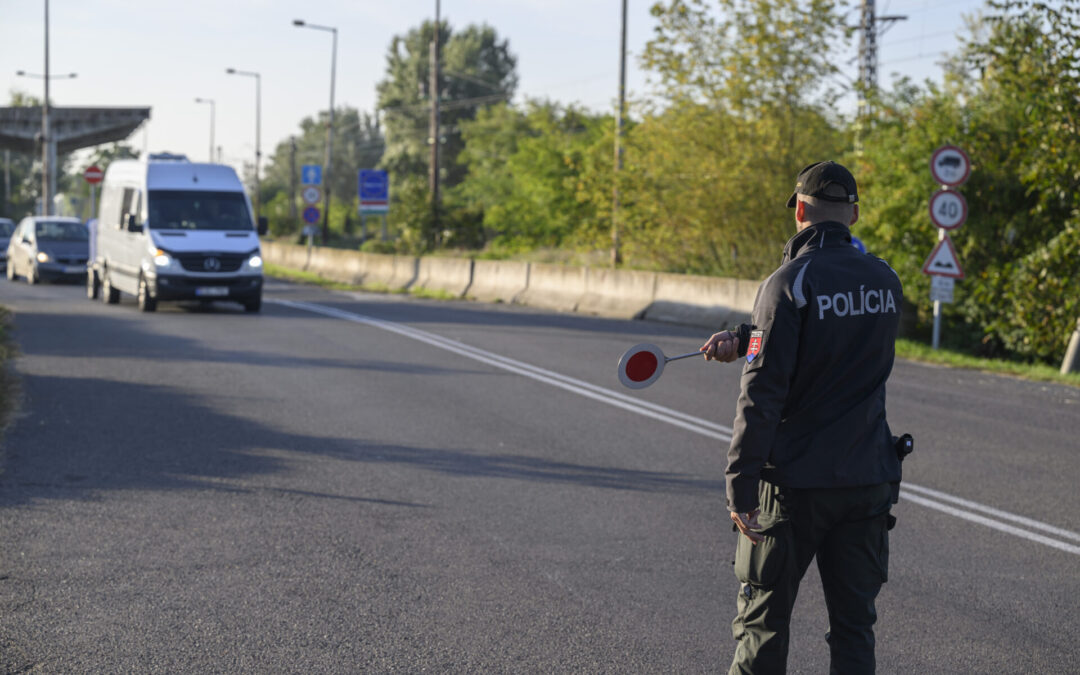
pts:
[132, 225]
[264, 225]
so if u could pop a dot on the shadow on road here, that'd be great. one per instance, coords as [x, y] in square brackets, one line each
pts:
[85, 436]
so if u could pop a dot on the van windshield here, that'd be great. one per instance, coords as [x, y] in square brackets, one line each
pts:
[191, 210]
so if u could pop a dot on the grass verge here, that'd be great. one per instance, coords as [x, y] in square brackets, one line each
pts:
[917, 351]
[9, 383]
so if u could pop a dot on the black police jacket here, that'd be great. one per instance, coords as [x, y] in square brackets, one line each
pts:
[811, 413]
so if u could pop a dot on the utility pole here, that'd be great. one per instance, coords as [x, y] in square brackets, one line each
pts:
[7, 182]
[46, 140]
[292, 180]
[871, 27]
[616, 257]
[433, 128]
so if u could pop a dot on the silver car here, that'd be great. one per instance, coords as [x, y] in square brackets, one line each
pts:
[48, 248]
[7, 226]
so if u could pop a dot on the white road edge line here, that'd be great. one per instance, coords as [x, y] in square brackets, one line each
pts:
[688, 422]
[989, 522]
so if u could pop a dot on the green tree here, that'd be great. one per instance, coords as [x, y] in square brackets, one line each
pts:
[526, 170]
[477, 69]
[358, 144]
[745, 103]
[1011, 102]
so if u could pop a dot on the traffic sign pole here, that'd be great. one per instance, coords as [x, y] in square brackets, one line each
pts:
[937, 305]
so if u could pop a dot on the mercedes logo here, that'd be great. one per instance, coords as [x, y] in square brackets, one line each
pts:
[211, 264]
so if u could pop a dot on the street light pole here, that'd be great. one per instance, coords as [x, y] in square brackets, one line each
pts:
[212, 115]
[258, 123]
[615, 254]
[48, 145]
[329, 126]
[433, 176]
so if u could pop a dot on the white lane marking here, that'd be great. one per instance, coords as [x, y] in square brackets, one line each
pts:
[989, 522]
[1004, 515]
[689, 422]
[580, 387]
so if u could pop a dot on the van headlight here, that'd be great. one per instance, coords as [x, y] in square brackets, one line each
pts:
[162, 258]
[255, 261]
[43, 257]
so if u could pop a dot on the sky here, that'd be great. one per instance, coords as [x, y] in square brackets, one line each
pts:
[166, 53]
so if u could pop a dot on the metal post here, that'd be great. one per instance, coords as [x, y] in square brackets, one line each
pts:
[46, 137]
[7, 181]
[1071, 362]
[258, 146]
[213, 122]
[212, 118]
[615, 255]
[433, 127]
[93, 201]
[292, 180]
[937, 307]
[327, 172]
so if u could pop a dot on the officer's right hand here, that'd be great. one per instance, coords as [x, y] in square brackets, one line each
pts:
[722, 346]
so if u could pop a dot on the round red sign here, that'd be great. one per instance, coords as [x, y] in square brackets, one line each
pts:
[93, 175]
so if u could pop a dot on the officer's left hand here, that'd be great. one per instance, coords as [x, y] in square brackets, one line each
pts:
[747, 523]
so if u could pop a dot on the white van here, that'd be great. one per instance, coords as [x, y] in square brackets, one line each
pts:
[170, 229]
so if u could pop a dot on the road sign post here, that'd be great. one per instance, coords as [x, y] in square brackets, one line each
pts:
[93, 175]
[950, 166]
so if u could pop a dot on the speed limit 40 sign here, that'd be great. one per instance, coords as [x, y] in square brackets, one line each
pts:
[948, 209]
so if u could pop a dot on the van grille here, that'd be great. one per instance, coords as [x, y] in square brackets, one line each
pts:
[198, 262]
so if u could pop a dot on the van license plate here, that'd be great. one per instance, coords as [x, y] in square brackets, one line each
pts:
[74, 269]
[211, 291]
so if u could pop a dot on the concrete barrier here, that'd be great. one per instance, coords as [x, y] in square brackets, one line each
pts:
[555, 287]
[712, 302]
[285, 255]
[498, 280]
[453, 275]
[625, 294]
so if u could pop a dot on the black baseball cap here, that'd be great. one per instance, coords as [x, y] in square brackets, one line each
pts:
[814, 179]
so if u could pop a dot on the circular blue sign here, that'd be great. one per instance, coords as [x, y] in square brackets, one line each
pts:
[311, 215]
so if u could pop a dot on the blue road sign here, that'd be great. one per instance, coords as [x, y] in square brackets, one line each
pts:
[311, 215]
[373, 186]
[311, 174]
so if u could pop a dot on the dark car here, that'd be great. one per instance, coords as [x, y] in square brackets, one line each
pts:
[7, 226]
[48, 248]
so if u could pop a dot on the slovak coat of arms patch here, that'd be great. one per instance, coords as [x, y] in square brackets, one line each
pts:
[757, 339]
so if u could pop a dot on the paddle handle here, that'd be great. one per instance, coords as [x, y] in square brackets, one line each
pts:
[682, 356]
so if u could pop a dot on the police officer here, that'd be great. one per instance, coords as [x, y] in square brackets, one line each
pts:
[812, 465]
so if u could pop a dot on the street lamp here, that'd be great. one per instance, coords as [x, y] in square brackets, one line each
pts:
[329, 127]
[66, 76]
[48, 145]
[211, 102]
[258, 116]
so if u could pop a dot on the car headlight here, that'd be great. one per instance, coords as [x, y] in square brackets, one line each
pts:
[255, 261]
[43, 257]
[161, 258]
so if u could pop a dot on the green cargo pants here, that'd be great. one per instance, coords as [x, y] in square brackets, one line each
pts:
[846, 529]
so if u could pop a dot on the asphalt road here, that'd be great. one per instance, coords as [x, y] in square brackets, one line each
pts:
[370, 483]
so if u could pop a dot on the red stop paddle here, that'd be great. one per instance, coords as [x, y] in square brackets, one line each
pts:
[642, 365]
